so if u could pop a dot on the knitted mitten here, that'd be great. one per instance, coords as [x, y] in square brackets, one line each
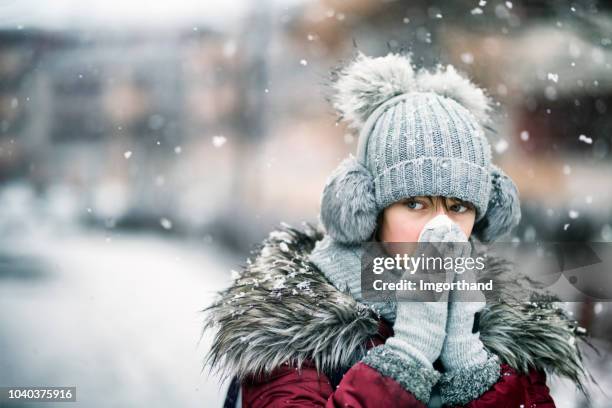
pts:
[420, 326]
[471, 370]
[462, 348]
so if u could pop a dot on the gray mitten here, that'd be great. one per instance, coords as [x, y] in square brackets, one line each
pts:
[471, 370]
[420, 327]
[463, 348]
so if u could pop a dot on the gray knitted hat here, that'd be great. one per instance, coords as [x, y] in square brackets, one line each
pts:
[420, 133]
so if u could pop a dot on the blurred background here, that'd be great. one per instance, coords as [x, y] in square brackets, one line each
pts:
[145, 147]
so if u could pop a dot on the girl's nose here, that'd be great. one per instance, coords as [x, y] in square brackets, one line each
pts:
[440, 208]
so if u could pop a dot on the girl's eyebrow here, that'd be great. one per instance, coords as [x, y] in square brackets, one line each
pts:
[463, 202]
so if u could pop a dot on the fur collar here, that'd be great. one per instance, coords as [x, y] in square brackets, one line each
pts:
[282, 310]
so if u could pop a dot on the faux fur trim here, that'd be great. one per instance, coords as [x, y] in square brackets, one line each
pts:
[462, 386]
[535, 334]
[281, 309]
[411, 375]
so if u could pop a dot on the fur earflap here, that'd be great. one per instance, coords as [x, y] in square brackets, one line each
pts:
[348, 205]
[504, 209]
[446, 81]
[366, 83]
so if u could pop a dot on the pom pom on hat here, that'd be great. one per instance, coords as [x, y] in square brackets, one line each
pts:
[446, 81]
[367, 82]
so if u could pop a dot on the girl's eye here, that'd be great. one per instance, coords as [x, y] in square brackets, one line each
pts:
[459, 207]
[414, 205]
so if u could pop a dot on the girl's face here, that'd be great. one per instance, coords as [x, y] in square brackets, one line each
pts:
[404, 220]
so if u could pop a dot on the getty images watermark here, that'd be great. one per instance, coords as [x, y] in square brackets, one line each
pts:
[420, 271]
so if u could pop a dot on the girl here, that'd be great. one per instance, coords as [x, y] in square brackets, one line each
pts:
[294, 329]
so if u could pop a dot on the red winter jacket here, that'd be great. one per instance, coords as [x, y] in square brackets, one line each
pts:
[363, 386]
[259, 322]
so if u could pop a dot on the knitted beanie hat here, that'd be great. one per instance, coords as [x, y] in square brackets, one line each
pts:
[420, 133]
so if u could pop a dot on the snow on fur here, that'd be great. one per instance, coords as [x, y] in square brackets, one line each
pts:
[366, 83]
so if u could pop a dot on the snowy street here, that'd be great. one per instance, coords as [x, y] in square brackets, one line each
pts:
[116, 318]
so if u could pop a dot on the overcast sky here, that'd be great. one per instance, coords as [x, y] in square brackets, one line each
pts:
[70, 14]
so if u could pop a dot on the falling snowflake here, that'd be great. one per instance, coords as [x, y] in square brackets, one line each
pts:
[127, 154]
[501, 146]
[585, 139]
[573, 214]
[553, 77]
[467, 58]
[524, 135]
[476, 11]
[165, 223]
[178, 150]
[597, 308]
[567, 170]
[303, 62]
[229, 49]
[218, 141]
